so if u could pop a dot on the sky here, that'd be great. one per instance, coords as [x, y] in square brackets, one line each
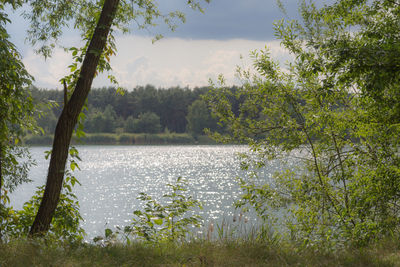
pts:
[208, 44]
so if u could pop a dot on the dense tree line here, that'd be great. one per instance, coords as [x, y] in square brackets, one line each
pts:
[141, 110]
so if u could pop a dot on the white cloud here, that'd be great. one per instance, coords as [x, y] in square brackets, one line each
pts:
[47, 73]
[168, 62]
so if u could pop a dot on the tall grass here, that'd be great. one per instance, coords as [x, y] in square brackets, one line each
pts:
[202, 252]
[125, 139]
[230, 243]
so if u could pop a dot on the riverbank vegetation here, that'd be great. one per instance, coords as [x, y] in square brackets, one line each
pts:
[140, 110]
[335, 111]
[162, 234]
[142, 116]
[125, 139]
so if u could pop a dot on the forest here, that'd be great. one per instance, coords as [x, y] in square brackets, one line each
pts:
[140, 110]
[328, 121]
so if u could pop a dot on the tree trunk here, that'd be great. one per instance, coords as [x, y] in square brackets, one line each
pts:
[68, 119]
[1, 187]
[1, 170]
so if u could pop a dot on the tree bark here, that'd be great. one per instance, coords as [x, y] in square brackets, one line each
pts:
[65, 93]
[1, 186]
[1, 170]
[68, 119]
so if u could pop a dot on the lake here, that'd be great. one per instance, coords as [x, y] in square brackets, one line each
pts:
[113, 176]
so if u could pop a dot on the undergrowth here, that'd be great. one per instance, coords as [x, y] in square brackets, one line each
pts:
[194, 253]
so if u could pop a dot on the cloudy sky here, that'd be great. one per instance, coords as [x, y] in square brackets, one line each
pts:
[207, 45]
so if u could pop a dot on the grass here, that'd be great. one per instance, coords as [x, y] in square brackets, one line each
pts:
[195, 253]
[125, 139]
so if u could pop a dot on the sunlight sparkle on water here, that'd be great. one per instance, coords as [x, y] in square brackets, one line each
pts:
[113, 176]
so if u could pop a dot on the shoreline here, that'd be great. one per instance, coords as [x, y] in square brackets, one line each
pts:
[125, 139]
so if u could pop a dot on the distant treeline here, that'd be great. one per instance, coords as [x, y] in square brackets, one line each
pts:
[125, 139]
[141, 110]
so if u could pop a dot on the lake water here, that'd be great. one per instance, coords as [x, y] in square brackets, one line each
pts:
[112, 177]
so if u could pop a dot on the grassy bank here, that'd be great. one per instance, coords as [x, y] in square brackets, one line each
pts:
[126, 139]
[197, 253]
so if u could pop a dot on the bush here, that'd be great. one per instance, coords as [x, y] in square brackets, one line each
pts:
[65, 224]
[99, 139]
[126, 139]
[344, 187]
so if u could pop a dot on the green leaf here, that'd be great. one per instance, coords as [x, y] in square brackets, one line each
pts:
[158, 221]
[108, 232]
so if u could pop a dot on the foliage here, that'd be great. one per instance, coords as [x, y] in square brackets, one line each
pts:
[16, 108]
[96, 20]
[66, 220]
[163, 222]
[322, 113]
[38, 140]
[101, 122]
[147, 122]
[98, 139]
[47, 22]
[16, 116]
[199, 118]
[47, 121]
[129, 125]
[124, 139]
[361, 49]
[48, 19]
[159, 139]
[170, 104]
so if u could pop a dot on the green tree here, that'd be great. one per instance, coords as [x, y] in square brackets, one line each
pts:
[330, 113]
[362, 50]
[47, 121]
[96, 19]
[98, 123]
[132, 103]
[16, 117]
[69, 118]
[147, 122]
[110, 118]
[129, 125]
[199, 118]
[16, 108]
[95, 121]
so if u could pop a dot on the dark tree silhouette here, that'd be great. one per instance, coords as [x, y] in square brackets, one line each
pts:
[69, 117]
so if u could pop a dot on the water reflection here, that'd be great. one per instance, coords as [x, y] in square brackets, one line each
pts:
[112, 177]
